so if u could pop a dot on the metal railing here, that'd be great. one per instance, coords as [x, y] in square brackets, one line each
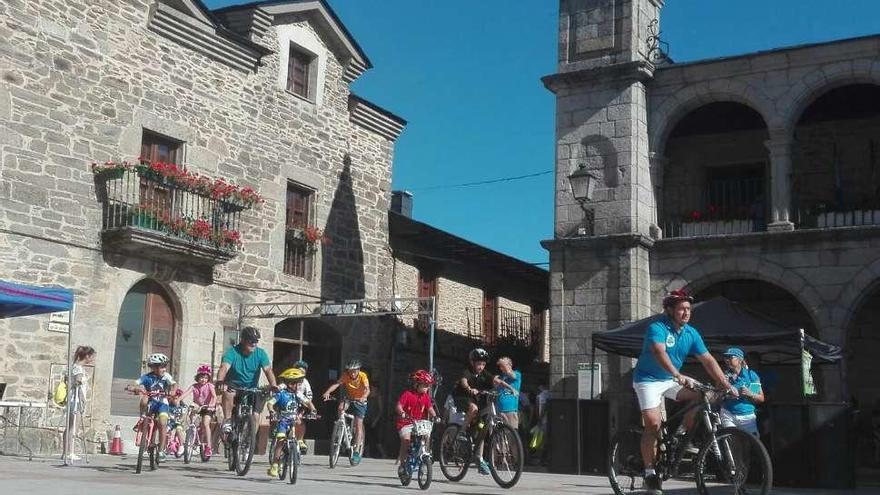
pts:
[135, 201]
[816, 217]
[513, 328]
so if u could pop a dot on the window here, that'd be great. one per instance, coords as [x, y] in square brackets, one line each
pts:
[156, 148]
[298, 254]
[299, 72]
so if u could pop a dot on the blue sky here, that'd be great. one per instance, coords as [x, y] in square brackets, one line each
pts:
[466, 75]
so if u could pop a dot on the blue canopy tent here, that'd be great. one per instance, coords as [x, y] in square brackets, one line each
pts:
[26, 300]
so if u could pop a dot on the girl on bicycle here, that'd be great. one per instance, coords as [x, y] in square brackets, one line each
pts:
[205, 397]
[414, 404]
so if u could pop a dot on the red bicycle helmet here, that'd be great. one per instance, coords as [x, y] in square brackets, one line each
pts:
[676, 297]
[422, 376]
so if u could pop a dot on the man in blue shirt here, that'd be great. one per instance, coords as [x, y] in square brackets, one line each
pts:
[667, 344]
[508, 384]
[740, 412]
[240, 368]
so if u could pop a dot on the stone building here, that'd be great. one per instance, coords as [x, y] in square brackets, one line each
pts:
[160, 259]
[754, 177]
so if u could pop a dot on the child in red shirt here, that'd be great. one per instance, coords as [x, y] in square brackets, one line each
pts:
[413, 404]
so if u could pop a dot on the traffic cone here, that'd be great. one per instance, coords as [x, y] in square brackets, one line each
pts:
[116, 443]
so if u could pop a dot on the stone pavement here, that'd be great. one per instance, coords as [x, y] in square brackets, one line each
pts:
[107, 474]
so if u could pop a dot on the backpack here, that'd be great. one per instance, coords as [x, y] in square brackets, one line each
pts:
[59, 395]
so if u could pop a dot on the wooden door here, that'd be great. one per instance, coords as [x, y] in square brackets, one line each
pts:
[490, 318]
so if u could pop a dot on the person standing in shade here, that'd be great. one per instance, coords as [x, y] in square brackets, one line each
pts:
[374, 422]
[508, 384]
[740, 411]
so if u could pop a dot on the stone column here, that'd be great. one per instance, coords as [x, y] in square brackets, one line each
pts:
[780, 144]
[658, 164]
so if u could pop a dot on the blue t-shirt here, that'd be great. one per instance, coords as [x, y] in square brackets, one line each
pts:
[679, 346]
[508, 402]
[285, 401]
[746, 378]
[153, 383]
[244, 371]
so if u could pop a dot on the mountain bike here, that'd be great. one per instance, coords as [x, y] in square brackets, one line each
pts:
[729, 460]
[147, 434]
[419, 458]
[459, 447]
[195, 438]
[241, 441]
[341, 437]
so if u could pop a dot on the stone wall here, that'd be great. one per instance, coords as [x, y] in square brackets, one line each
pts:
[455, 301]
[76, 91]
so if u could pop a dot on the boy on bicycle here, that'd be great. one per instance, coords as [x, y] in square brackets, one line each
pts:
[414, 404]
[668, 342]
[475, 379]
[157, 380]
[356, 387]
[288, 404]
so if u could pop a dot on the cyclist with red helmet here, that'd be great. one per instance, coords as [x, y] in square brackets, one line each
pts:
[668, 342]
[414, 404]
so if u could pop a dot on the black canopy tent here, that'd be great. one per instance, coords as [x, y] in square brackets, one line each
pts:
[722, 324]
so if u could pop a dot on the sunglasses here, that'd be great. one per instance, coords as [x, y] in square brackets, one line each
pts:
[249, 341]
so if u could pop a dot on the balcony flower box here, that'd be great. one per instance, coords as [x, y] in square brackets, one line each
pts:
[847, 218]
[310, 236]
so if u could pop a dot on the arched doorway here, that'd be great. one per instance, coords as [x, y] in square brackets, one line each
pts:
[320, 345]
[781, 383]
[862, 368]
[716, 175]
[836, 159]
[146, 324]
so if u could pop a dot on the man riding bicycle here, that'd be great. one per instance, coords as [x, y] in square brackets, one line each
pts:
[667, 344]
[240, 368]
[474, 380]
[356, 387]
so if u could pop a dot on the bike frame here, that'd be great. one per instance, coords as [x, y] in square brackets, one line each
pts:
[707, 420]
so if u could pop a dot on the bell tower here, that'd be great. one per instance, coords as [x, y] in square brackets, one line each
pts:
[603, 234]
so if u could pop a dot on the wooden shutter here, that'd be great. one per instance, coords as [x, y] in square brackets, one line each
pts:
[490, 318]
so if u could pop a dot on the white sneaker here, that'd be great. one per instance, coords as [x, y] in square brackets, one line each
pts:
[227, 427]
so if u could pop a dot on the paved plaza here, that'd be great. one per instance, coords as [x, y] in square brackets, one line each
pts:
[107, 474]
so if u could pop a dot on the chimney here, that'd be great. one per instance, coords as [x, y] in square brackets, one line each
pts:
[402, 203]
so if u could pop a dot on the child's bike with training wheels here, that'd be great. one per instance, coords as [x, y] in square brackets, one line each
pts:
[147, 434]
[340, 439]
[419, 459]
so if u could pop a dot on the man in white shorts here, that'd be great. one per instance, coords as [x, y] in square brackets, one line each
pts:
[667, 344]
[740, 412]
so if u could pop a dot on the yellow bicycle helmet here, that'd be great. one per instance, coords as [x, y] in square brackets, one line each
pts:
[292, 374]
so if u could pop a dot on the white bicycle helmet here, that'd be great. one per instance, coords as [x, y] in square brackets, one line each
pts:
[156, 359]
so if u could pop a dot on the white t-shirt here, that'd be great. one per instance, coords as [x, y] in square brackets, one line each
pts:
[80, 381]
[304, 389]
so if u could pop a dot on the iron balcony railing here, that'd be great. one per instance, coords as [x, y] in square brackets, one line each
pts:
[151, 203]
[513, 327]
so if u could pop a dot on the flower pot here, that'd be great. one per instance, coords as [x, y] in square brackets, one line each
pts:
[112, 173]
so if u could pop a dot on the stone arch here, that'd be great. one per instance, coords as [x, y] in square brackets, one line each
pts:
[860, 288]
[665, 117]
[700, 275]
[818, 82]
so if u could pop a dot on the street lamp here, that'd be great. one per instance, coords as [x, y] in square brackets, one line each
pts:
[583, 184]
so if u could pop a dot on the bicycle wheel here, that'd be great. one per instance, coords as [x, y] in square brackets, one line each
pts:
[293, 447]
[740, 464]
[204, 442]
[244, 451]
[505, 456]
[271, 452]
[188, 444]
[229, 452]
[285, 463]
[142, 449]
[625, 466]
[335, 444]
[425, 474]
[456, 448]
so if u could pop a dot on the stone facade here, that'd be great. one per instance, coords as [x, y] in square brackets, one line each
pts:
[81, 81]
[644, 128]
[456, 305]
